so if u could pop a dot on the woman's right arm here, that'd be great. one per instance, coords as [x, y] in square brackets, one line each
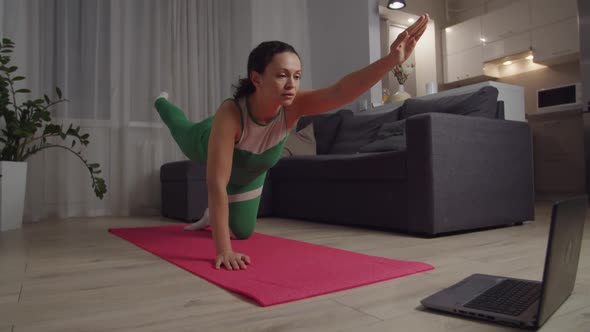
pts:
[225, 130]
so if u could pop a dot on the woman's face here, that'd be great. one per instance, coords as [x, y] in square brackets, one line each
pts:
[281, 78]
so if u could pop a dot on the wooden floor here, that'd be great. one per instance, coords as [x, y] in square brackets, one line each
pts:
[72, 275]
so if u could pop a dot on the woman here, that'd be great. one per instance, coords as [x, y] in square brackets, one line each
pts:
[246, 136]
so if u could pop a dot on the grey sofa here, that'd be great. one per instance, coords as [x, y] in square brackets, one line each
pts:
[428, 167]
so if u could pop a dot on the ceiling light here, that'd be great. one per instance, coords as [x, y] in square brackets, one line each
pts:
[530, 57]
[506, 63]
[482, 39]
[411, 20]
[396, 4]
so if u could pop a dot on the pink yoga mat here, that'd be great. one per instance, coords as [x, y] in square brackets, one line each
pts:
[282, 270]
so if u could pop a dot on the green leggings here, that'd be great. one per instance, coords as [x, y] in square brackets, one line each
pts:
[193, 139]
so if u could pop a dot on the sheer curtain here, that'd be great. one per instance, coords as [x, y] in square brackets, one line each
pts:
[111, 58]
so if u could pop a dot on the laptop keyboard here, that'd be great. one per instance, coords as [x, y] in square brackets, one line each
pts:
[509, 297]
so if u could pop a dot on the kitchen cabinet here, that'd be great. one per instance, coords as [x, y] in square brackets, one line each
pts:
[506, 22]
[556, 43]
[558, 150]
[508, 46]
[462, 36]
[464, 65]
[544, 12]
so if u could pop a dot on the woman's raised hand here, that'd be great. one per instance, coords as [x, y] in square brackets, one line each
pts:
[404, 44]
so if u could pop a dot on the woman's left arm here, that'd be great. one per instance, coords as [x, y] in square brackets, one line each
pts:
[355, 84]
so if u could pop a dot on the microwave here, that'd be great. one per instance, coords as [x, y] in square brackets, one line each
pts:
[559, 98]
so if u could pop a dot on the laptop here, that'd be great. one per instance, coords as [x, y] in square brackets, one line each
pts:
[518, 302]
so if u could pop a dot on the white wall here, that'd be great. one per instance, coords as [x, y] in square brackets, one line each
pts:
[344, 37]
[410, 84]
[436, 10]
[424, 56]
[374, 46]
[584, 21]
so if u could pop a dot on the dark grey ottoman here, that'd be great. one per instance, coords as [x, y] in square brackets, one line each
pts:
[184, 190]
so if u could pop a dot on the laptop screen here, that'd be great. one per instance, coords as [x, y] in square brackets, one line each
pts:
[563, 252]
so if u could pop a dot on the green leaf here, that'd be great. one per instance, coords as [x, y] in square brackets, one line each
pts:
[58, 91]
[100, 187]
[21, 133]
[6, 51]
[12, 69]
[47, 100]
[18, 78]
[73, 143]
[45, 116]
[23, 91]
[85, 136]
[93, 165]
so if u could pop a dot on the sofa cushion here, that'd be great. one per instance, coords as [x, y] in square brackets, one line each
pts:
[482, 103]
[325, 127]
[395, 128]
[389, 137]
[392, 143]
[300, 142]
[359, 130]
[347, 167]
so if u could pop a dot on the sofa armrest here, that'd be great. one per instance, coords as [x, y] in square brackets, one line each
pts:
[467, 172]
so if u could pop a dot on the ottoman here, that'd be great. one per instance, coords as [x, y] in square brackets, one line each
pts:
[184, 190]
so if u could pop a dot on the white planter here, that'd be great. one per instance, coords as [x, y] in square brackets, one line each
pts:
[401, 94]
[13, 184]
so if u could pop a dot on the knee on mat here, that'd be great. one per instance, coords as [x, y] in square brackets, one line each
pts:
[241, 234]
[242, 219]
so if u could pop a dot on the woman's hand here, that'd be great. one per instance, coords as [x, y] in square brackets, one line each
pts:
[404, 44]
[232, 260]
[356, 83]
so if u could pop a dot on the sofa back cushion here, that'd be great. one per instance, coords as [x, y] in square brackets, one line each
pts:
[359, 130]
[300, 143]
[390, 143]
[482, 103]
[325, 127]
[390, 137]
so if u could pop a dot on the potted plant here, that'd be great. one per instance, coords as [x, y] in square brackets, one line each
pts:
[26, 129]
[401, 73]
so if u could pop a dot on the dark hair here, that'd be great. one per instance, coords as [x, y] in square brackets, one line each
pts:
[258, 59]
